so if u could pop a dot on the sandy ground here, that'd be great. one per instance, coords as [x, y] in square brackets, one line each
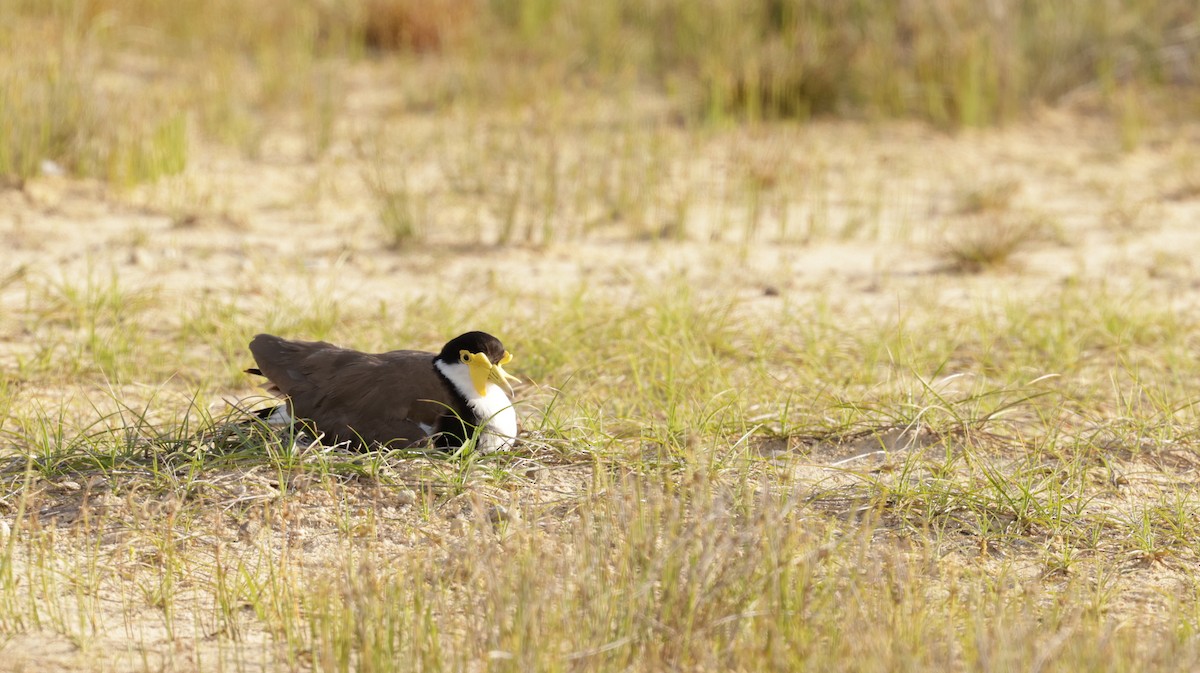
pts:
[232, 225]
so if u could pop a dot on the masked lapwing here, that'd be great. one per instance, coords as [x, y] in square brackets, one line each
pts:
[395, 399]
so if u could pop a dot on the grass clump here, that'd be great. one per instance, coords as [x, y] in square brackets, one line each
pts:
[982, 243]
[953, 63]
[106, 89]
[117, 88]
[993, 197]
[57, 117]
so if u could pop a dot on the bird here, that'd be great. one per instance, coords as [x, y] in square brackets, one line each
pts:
[397, 399]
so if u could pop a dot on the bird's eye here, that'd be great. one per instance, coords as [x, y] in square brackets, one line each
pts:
[464, 357]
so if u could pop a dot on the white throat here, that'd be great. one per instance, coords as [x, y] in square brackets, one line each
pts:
[496, 410]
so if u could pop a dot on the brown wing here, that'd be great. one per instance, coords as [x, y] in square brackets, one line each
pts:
[390, 398]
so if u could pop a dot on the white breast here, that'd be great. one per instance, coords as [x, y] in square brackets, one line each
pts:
[501, 419]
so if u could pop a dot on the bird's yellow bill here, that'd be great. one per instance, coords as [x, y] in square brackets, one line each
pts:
[482, 370]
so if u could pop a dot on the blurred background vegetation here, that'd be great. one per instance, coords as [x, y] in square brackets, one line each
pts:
[111, 88]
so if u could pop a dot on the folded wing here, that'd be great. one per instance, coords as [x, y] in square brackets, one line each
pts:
[392, 399]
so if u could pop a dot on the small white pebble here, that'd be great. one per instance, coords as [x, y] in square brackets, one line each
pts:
[50, 167]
